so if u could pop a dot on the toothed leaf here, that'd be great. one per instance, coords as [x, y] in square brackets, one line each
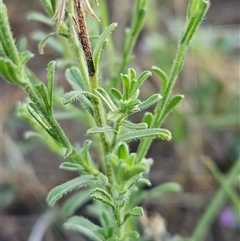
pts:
[98, 130]
[102, 196]
[56, 193]
[143, 76]
[149, 102]
[152, 133]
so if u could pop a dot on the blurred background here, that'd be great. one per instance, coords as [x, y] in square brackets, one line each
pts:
[205, 125]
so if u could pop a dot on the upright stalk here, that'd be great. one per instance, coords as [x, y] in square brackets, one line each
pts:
[160, 108]
[196, 12]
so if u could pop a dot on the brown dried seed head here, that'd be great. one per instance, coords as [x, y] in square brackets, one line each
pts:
[81, 29]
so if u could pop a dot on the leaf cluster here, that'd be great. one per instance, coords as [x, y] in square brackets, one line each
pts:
[113, 184]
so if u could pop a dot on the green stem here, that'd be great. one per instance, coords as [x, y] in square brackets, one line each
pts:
[214, 207]
[51, 121]
[100, 121]
[190, 28]
[91, 84]
[160, 108]
[116, 133]
[58, 132]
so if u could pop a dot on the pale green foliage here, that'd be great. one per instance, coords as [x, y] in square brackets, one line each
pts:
[122, 174]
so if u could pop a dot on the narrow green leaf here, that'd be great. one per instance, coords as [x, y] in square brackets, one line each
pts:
[116, 94]
[48, 7]
[171, 104]
[86, 104]
[102, 178]
[115, 115]
[134, 126]
[56, 193]
[71, 96]
[9, 71]
[99, 130]
[42, 91]
[129, 183]
[137, 169]
[192, 7]
[77, 95]
[53, 3]
[43, 43]
[195, 19]
[83, 226]
[152, 133]
[6, 38]
[132, 105]
[126, 86]
[140, 20]
[84, 152]
[71, 166]
[136, 212]
[144, 182]
[25, 56]
[122, 150]
[103, 233]
[105, 219]
[131, 73]
[105, 98]
[88, 163]
[33, 110]
[162, 76]
[74, 78]
[143, 76]
[150, 101]
[147, 118]
[39, 117]
[51, 76]
[65, 152]
[98, 48]
[83, 97]
[102, 196]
